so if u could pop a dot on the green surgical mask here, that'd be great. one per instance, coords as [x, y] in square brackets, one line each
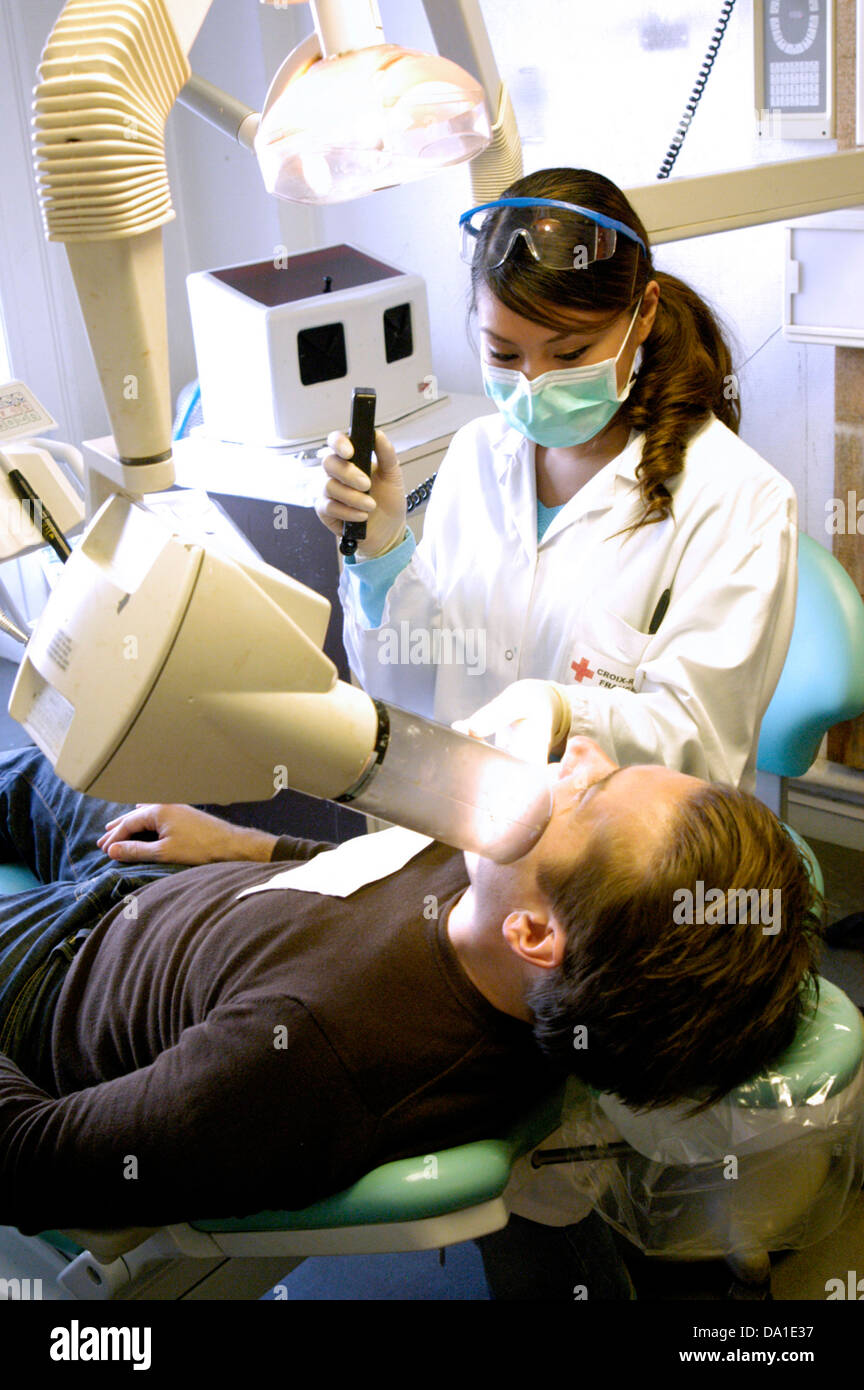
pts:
[564, 407]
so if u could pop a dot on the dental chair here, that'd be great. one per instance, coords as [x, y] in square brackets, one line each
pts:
[822, 681]
[796, 1131]
[773, 1166]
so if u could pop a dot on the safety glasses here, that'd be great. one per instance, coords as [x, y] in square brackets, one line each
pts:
[560, 236]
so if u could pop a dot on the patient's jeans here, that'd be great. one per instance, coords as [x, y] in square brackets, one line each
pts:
[52, 830]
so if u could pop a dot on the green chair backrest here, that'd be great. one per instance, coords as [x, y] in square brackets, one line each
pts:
[822, 681]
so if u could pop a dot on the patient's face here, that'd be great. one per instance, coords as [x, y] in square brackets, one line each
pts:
[592, 798]
[593, 795]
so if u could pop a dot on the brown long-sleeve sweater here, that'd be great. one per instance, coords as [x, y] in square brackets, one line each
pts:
[216, 1056]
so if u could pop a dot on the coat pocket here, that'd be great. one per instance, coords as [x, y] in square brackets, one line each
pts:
[607, 653]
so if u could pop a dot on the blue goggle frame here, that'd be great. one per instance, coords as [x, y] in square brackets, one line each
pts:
[599, 219]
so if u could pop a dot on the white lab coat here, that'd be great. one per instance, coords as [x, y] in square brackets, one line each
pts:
[577, 608]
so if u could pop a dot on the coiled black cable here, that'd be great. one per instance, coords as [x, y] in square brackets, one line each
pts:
[698, 89]
[419, 494]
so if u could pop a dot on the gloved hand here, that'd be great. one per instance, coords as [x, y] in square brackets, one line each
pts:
[348, 495]
[530, 719]
[184, 835]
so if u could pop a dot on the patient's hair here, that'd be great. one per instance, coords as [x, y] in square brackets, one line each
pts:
[686, 373]
[676, 1009]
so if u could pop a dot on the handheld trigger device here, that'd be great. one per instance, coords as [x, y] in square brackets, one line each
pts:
[362, 436]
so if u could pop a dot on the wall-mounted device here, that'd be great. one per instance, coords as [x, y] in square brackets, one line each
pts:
[279, 341]
[794, 56]
[824, 294]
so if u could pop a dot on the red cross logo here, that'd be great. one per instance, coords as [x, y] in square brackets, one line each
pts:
[582, 670]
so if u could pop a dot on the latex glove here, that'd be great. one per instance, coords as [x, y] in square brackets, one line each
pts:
[530, 719]
[348, 495]
[184, 835]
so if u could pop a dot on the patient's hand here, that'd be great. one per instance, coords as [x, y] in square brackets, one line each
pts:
[184, 835]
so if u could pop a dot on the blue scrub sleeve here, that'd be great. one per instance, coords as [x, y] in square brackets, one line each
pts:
[371, 580]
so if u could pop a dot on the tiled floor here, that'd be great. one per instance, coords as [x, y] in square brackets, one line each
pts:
[796, 1274]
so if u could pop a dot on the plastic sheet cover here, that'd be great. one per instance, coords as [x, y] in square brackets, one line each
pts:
[753, 1173]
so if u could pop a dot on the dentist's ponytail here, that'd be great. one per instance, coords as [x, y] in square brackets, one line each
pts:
[686, 375]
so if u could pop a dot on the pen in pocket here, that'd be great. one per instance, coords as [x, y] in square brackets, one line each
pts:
[659, 612]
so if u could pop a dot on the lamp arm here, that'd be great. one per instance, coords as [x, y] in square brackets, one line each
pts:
[459, 31]
[343, 26]
[220, 109]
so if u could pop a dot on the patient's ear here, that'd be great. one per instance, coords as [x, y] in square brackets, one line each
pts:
[535, 937]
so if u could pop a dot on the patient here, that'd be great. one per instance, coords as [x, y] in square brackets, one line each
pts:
[171, 1049]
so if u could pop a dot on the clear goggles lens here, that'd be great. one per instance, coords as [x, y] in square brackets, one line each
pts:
[554, 237]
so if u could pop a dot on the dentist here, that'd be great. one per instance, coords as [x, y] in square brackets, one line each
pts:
[627, 561]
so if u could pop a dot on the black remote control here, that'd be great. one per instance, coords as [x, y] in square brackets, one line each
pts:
[362, 436]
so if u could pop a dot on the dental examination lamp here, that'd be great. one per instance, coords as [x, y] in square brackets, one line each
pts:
[348, 113]
[161, 670]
